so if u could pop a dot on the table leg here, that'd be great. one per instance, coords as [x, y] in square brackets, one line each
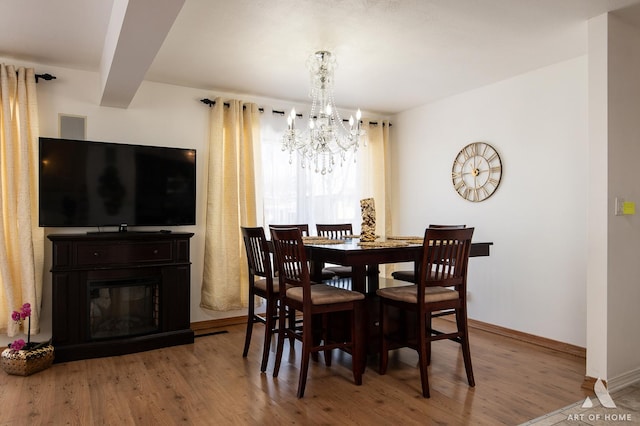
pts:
[373, 273]
[359, 278]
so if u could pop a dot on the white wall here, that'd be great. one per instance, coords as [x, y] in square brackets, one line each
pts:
[623, 289]
[535, 279]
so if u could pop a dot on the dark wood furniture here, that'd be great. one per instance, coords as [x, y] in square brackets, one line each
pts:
[442, 286]
[317, 303]
[409, 274]
[304, 230]
[303, 227]
[261, 284]
[335, 231]
[366, 260]
[365, 263]
[115, 260]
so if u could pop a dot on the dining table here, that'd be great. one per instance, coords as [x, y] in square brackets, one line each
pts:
[365, 259]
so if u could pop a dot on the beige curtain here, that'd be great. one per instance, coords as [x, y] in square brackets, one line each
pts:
[378, 171]
[231, 203]
[21, 240]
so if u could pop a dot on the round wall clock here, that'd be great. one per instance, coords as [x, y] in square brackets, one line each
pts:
[476, 171]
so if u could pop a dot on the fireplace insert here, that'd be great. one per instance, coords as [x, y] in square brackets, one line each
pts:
[119, 308]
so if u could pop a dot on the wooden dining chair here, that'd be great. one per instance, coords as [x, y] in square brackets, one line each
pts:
[304, 230]
[303, 227]
[316, 301]
[409, 274]
[336, 232]
[261, 284]
[442, 285]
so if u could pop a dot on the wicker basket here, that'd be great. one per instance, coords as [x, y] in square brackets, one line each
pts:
[25, 363]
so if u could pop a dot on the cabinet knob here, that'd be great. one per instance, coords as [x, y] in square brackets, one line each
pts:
[96, 254]
[155, 251]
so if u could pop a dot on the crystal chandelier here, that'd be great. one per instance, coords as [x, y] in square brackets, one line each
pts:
[326, 136]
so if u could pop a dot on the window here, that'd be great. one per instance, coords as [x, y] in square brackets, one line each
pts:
[292, 194]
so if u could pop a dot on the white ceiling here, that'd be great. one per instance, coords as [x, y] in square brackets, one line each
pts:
[392, 54]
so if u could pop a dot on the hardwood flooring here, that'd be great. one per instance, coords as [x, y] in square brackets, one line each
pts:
[210, 383]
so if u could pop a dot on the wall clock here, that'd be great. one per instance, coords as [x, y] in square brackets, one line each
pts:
[476, 171]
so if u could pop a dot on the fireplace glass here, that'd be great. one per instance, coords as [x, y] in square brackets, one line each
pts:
[123, 308]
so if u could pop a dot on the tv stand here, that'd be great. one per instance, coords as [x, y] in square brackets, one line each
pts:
[104, 280]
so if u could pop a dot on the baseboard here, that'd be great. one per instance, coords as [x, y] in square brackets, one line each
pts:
[202, 327]
[624, 380]
[530, 338]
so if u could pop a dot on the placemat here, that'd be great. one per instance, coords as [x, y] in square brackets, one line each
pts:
[383, 243]
[410, 239]
[320, 240]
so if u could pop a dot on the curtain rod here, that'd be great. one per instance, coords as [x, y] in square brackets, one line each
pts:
[211, 103]
[45, 76]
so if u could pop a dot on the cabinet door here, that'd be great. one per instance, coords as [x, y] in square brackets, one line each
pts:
[68, 307]
[176, 291]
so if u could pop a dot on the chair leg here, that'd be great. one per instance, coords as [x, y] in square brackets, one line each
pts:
[423, 344]
[325, 339]
[429, 333]
[384, 348]
[268, 333]
[357, 344]
[461, 319]
[250, 321]
[281, 335]
[307, 344]
[291, 314]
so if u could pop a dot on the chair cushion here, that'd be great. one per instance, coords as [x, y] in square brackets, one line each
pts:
[340, 271]
[327, 274]
[409, 294]
[408, 276]
[262, 284]
[322, 294]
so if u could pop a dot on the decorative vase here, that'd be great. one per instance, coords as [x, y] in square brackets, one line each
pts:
[26, 362]
[368, 229]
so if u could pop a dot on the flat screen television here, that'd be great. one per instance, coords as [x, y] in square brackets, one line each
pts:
[96, 184]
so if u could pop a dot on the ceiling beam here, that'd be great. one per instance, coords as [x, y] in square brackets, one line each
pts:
[136, 31]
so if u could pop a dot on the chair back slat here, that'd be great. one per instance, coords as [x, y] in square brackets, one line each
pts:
[334, 231]
[258, 256]
[303, 227]
[445, 256]
[291, 259]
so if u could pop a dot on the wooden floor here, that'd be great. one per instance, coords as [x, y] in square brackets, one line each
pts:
[210, 383]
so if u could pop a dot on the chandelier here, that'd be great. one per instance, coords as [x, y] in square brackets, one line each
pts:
[326, 137]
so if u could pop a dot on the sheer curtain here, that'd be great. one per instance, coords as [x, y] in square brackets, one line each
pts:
[21, 240]
[376, 169]
[231, 202]
[295, 195]
[291, 194]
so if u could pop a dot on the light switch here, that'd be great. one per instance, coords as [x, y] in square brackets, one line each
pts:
[628, 207]
[623, 208]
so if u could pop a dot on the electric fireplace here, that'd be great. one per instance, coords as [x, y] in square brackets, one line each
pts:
[118, 293]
